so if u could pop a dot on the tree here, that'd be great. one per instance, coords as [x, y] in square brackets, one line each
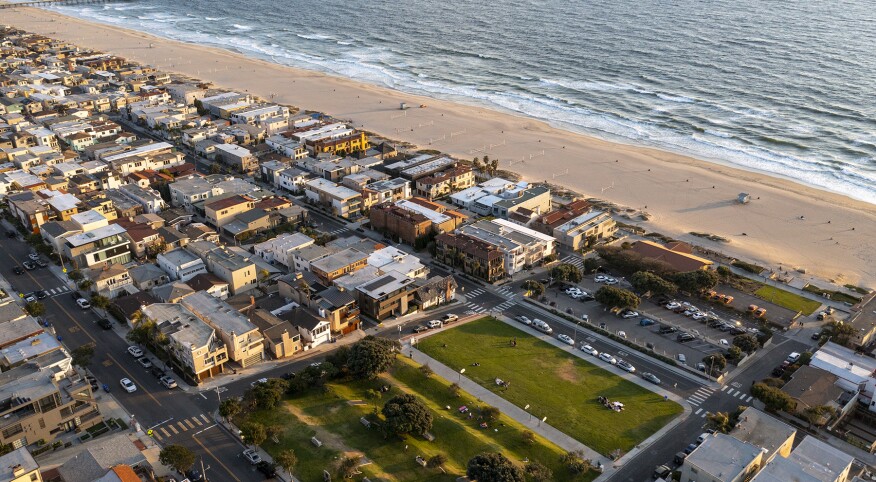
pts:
[153, 250]
[590, 265]
[538, 472]
[576, 462]
[35, 308]
[75, 275]
[82, 355]
[528, 437]
[734, 353]
[85, 284]
[454, 389]
[841, 332]
[143, 332]
[349, 466]
[266, 395]
[436, 461]
[566, 272]
[407, 414]
[715, 362]
[720, 421]
[34, 239]
[287, 460]
[645, 281]
[490, 413]
[533, 288]
[178, 457]
[493, 467]
[274, 431]
[616, 297]
[695, 281]
[818, 415]
[229, 408]
[253, 433]
[99, 301]
[426, 370]
[773, 398]
[723, 272]
[371, 356]
[747, 343]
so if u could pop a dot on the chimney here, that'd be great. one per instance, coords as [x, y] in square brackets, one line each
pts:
[17, 470]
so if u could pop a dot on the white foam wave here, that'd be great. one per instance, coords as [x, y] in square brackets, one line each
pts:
[241, 27]
[213, 19]
[313, 36]
[717, 133]
[675, 98]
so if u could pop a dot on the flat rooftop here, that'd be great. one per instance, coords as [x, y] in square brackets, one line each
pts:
[220, 313]
[386, 284]
[95, 235]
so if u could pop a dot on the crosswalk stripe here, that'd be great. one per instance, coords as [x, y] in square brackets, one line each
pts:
[51, 291]
[189, 423]
[157, 436]
[197, 421]
[698, 411]
[704, 414]
[732, 393]
[747, 400]
[182, 427]
[742, 395]
[164, 431]
[703, 391]
[725, 387]
[173, 429]
[698, 399]
[692, 402]
[205, 418]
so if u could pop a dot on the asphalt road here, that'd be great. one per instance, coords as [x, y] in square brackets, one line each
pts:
[152, 404]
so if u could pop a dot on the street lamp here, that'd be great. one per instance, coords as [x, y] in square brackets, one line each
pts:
[526, 409]
[460, 374]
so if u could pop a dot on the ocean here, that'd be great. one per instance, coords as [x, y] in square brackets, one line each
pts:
[786, 88]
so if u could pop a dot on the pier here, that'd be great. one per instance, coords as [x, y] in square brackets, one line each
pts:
[48, 3]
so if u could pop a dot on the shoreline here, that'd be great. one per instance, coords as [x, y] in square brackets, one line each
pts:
[682, 194]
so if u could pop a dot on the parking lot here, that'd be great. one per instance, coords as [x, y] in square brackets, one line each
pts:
[664, 344]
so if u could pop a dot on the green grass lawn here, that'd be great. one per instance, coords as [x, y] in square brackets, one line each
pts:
[338, 410]
[786, 299]
[555, 384]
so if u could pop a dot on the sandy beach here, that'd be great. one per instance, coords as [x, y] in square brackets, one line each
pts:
[835, 239]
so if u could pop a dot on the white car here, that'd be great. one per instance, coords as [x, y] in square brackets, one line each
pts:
[434, 324]
[566, 339]
[252, 456]
[607, 358]
[135, 352]
[29, 299]
[630, 314]
[626, 366]
[673, 305]
[262, 380]
[611, 281]
[33, 256]
[724, 342]
[572, 290]
[622, 334]
[699, 316]
[83, 303]
[600, 278]
[168, 382]
[128, 385]
[525, 320]
[589, 350]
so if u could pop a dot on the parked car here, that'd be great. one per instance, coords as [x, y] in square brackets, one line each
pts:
[629, 314]
[168, 382]
[701, 366]
[145, 362]
[83, 303]
[651, 378]
[607, 358]
[75, 295]
[135, 351]
[667, 329]
[684, 337]
[793, 357]
[157, 372]
[29, 265]
[33, 256]
[29, 298]
[525, 320]
[41, 263]
[128, 385]
[542, 326]
[626, 366]
[449, 318]
[600, 278]
[268, 469]
[679, 458]
[610, 281]
[778, 371]
[434, 324]
[566, 339]
[17, 270]
[420, 328]
[816, 335]
[105, 323]
[662, 472]
[702, 438]
[41, 295]
[690, 448]
[621, 334]
[252, 456]
[646, 322]
[589, 350]
[194, 475]
[681, 358]
[672, 305]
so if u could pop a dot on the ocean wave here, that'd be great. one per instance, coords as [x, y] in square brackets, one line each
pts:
[241, 27]
[213, 19]
[313, 36]
[675, 98]
[718, 133]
